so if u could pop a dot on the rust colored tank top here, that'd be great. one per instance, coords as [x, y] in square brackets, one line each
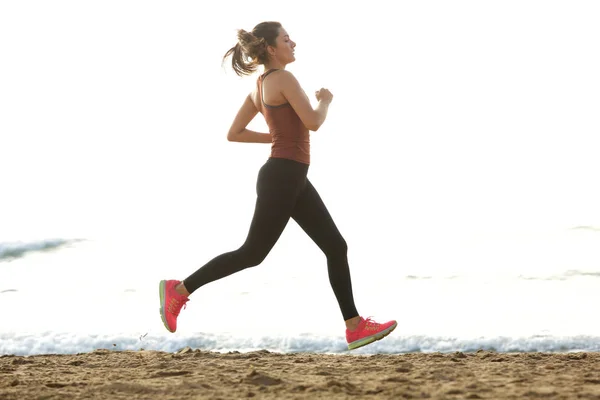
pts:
[290, 138]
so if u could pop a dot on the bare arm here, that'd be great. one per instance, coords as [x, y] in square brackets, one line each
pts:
[238, 131]
[311, 118]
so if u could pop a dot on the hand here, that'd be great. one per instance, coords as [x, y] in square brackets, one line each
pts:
[324, 95]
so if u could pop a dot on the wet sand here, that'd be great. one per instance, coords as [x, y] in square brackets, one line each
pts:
[194, 374]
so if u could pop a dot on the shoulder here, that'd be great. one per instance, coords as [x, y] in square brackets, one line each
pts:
[285, 78]
[280, 74]
[285, 74]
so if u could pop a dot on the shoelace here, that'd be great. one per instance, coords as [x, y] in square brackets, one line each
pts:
[175, 305]
[369, 322]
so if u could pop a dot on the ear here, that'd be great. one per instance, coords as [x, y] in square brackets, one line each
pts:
[271, 50]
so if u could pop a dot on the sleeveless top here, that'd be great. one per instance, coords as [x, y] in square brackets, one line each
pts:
[290, 138]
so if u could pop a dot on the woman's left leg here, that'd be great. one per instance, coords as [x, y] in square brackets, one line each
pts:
[312, 215]
[314, 218]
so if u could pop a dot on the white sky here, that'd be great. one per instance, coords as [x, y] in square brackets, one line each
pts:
[465, 116]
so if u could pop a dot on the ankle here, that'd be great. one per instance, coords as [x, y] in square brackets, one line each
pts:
[352, 323]
[180, 288]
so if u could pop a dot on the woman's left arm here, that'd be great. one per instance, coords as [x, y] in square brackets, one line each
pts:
[238, 131]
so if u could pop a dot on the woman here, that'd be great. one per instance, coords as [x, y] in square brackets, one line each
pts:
[283, 189]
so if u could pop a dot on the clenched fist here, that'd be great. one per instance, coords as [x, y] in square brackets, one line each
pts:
[324, 95]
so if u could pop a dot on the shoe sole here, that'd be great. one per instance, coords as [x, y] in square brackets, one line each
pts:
[161, 292]
[370, 339]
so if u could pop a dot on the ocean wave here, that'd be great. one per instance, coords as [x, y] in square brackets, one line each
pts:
[11, 251]
[586, 228]
[563, 277]
[424, 277]
[68, 343]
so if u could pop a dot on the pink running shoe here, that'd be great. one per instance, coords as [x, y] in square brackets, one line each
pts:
[170, 303]
[367, 332]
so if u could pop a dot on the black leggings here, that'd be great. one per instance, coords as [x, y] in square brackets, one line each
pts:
[284, 191]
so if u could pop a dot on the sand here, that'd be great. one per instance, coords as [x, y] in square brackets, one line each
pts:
[194, 374]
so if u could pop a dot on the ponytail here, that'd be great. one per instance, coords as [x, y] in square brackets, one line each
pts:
[251, 49]
[239, 61]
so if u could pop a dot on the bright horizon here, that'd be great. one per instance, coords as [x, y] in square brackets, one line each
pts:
[463, 117]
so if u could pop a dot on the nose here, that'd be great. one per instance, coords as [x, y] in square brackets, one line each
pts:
[293, 44]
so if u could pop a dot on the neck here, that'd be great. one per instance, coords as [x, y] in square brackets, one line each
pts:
[274, 65]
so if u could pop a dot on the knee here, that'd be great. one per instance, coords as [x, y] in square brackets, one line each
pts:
[342, 246]
[337, 248]
[254, 257]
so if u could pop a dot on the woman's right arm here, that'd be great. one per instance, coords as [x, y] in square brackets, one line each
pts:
[311, 118]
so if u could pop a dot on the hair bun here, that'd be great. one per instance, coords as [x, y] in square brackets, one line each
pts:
[254, 47]
[251, 47]
[245, 38]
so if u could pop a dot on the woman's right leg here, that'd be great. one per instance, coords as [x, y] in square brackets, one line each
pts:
[279, 183]
[271, 215]
[277, 190]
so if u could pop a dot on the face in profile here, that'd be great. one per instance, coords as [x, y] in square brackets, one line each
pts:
[284, 49]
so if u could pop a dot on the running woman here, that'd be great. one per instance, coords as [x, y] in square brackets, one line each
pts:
[283, 189]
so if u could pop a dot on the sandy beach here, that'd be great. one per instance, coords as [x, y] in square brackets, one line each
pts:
[194, 374]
